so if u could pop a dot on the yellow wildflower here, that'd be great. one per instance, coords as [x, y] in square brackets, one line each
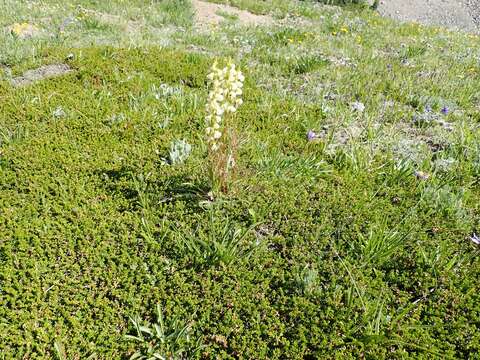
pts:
[23, 29]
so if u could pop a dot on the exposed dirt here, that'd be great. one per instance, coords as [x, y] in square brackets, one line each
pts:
[456, 14]
[41, 73]
[211, 14]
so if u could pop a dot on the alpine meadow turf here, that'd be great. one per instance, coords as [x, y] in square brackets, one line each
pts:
[348, 231]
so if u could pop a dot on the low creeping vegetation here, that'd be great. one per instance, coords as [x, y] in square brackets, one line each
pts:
[349, 230]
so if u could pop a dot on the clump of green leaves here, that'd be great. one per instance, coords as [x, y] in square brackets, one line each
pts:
[179, 151]
[222, 243]
[166, 339]
[380, 243]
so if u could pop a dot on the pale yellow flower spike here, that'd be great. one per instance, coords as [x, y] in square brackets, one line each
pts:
[224, 97]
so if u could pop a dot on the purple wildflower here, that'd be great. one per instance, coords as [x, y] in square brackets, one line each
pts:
[445, 110]
[311, 135]
[475, 239]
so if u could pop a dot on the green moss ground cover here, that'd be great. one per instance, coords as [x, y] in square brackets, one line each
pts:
[353, 245]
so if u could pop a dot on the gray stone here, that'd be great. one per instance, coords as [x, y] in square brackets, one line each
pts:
[448, 13]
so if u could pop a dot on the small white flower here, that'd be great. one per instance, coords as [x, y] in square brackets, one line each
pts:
[358, 106]
[231, 162]
[475, 239]
[217, 135]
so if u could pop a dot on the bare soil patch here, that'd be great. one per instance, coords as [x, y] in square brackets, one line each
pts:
[210, 14]
[41, 73]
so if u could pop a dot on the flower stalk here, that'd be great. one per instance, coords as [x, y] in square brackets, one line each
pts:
[225, 96]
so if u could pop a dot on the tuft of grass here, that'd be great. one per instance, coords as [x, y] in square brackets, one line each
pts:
[379, 244]
[221, 244]
[176, 12]
[165, 339]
